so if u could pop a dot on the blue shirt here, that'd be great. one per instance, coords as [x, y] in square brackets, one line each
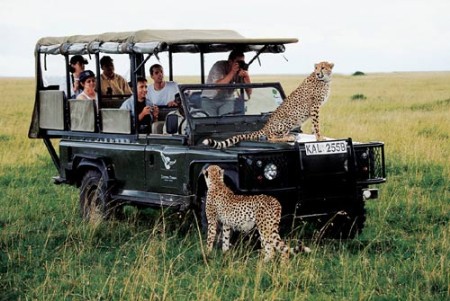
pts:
[129, 104]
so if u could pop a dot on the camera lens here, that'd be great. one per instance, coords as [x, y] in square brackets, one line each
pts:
[243, 65]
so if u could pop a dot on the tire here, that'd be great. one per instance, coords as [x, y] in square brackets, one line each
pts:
[200, 212]
[347, 223]
[95, 197]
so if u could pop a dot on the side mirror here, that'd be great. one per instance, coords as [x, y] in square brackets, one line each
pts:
[172, 124]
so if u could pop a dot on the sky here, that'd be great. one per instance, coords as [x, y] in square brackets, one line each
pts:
[356, 35]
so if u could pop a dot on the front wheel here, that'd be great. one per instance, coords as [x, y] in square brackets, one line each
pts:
[200, 211]
[95, 197]
[347, 223]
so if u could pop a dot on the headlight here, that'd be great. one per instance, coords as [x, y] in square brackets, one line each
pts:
[270, 171]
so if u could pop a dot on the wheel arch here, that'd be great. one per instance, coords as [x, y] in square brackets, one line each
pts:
[231, 178]
[83, 164]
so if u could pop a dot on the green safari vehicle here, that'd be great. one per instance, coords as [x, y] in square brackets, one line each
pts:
[98, 147]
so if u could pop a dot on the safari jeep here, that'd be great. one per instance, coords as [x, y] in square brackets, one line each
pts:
[102, 152]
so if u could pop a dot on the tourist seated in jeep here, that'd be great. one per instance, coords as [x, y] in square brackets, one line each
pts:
[161, 93]
[76, 66]
[146, 110]
[88, 83]
[111, 82]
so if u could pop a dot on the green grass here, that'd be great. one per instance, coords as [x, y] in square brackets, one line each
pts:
[48, 253]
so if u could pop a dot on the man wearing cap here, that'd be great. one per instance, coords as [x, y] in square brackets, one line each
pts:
[112, 83]
[76, 66]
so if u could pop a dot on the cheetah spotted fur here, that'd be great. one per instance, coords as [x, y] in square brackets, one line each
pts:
[243, 213]
[303, 103]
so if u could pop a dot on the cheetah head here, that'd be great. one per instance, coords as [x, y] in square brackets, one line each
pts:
[213, 174]
[322, 71]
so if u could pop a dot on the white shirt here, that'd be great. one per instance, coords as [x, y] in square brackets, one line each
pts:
[163, 96]
[84, 96]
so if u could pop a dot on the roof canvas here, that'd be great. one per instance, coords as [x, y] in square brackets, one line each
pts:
[149, 41]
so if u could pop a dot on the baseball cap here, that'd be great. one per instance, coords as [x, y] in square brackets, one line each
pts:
[78, 58]
[85, 75]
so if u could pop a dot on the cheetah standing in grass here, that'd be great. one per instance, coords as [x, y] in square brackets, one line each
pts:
[243, 213]
[303, 103]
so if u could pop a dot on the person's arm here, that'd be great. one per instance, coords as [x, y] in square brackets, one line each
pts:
[173, 86]
[126, 87]
[145, 111]
[246, 79]
[228, 78]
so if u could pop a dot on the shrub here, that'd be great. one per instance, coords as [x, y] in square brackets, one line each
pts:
[358, 97]
[358, 73]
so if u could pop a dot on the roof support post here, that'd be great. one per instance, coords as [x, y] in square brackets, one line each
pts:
[170, 65]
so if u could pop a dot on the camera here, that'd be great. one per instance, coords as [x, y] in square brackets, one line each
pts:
[243, 65]
[177, 98]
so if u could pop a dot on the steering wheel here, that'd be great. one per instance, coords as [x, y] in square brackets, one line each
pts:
[197, 112]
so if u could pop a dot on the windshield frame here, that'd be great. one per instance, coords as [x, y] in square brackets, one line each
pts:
[225, 125]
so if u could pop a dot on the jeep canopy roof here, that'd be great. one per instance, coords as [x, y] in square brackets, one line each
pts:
[138, 47]
[154, 41]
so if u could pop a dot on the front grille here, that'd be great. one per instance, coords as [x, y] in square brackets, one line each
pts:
[363, 163]
[370, 162]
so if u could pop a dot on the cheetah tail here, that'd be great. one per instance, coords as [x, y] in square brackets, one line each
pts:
[230, 141]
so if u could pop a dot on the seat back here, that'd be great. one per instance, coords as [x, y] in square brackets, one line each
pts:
[51, 109]
[157, 127]
[82, 115]
[116, 121]
[113, 102]
[171, 124]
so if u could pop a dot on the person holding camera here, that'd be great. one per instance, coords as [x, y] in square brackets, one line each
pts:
[234, 70]
[146, 111]
[111, 82]
[76, 66]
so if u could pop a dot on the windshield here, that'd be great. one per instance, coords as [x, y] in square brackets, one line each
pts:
[231, 100]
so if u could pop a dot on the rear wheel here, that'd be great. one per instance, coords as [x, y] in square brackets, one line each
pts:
[95, 197]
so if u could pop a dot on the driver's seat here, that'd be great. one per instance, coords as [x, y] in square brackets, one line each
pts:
[157, 127]
[171, 124]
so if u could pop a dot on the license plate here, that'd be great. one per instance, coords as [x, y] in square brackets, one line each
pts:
[326, 148]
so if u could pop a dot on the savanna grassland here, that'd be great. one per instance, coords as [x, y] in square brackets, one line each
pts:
[48, 253]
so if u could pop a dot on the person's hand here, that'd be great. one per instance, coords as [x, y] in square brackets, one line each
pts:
[146, 111]
[155, 112]
[235, 68]
[76, 85]
[244, 74]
